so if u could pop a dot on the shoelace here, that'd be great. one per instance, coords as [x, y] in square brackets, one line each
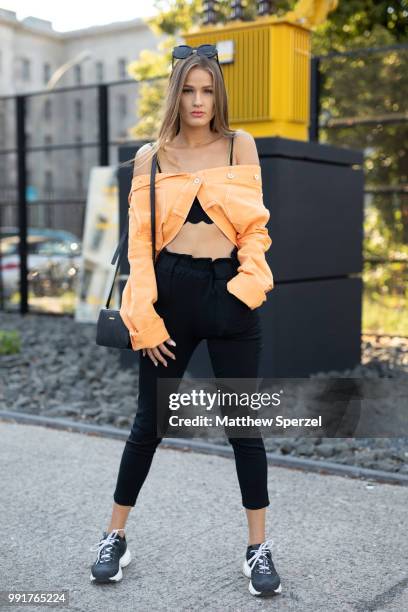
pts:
[261, 555]
[105, 546]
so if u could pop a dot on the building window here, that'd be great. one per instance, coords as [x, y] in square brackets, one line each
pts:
[46, 72]
[48, 181]
[25, 69]
[78, 74]
[2, 127]
[79, 150]
[48, 143]
[122, 105]
[99, 72]
[79, 178]
[47, 109]
[78, 110]
[122, 68]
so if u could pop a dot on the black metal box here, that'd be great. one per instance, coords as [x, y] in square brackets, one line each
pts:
[312, 317]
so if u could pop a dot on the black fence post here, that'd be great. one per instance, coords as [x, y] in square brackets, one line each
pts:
[315, 81]
[103, 118]
[21, 199]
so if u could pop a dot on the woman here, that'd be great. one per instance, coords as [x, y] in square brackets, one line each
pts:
[207, 281]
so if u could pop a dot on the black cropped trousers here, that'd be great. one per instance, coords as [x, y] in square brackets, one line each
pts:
[195, 304]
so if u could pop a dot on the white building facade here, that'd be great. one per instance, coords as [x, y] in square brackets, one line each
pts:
[32, 53]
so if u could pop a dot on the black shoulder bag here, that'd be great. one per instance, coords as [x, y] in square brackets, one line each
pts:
[110, 328]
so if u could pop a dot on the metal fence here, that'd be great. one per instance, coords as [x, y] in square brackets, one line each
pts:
[57, 137]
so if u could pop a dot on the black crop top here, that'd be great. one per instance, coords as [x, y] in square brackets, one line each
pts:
[197, 213]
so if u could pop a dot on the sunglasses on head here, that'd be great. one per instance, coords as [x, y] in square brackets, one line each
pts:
[184, 51]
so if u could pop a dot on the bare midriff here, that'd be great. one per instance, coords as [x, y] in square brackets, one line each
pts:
[199, 239]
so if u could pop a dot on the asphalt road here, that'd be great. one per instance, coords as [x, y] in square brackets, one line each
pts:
[340, 544]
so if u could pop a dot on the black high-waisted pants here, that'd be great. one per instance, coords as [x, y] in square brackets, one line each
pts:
[195, 304]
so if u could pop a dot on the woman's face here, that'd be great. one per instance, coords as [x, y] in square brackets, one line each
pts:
[197, 95]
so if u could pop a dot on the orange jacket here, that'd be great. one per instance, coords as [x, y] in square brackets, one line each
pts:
[232, 197]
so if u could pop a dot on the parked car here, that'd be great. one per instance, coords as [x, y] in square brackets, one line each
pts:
[53, 260]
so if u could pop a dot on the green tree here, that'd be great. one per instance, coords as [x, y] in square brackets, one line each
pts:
[363, 102]
[362, 23]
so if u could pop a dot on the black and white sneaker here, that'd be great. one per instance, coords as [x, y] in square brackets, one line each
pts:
[113, 554]
[259, 567]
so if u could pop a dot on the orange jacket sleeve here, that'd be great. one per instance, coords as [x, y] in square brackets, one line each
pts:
[254, 278]
[146, 327]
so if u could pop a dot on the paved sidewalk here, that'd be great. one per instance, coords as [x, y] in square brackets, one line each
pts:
[340, 545]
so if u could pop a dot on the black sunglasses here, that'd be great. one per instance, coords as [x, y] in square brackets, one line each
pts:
[184, 51]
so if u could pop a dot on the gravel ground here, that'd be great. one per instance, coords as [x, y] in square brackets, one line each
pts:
[62, 372]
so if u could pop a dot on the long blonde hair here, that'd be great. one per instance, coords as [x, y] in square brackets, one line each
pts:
[170, 125]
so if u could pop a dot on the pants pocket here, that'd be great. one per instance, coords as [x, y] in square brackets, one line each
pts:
[234, 314]
[244, 307]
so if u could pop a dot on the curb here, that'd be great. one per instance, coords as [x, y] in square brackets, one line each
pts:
[308, 465]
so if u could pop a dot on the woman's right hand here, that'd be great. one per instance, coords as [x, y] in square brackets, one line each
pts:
[155, 354]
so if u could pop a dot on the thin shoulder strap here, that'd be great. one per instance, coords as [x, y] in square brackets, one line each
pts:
[157, 159]
[231, 148]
